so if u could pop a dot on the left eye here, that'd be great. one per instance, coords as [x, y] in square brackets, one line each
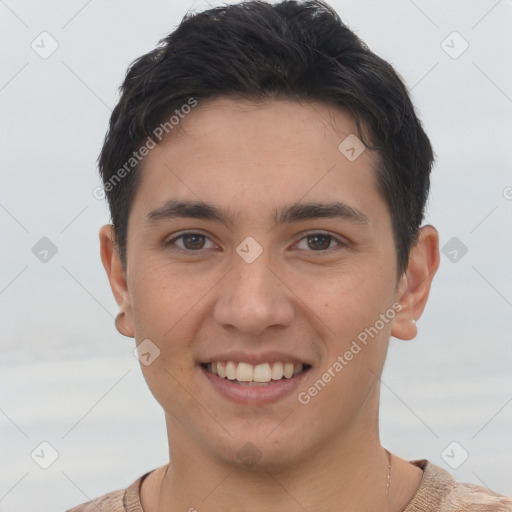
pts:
[194, 242]
[319, 241]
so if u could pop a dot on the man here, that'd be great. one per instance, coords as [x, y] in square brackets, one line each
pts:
[267, 177]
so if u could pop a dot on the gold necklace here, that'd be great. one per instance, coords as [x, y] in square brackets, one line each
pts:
[389, 473]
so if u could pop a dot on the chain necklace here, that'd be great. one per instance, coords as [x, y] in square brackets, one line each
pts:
[389, 474]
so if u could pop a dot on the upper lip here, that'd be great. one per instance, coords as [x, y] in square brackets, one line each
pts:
[255, 358]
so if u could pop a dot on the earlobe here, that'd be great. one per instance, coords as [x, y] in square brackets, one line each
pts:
[121, 325]
[117, 278]
[414, 286]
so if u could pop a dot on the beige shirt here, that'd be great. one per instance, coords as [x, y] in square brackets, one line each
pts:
[438, 491]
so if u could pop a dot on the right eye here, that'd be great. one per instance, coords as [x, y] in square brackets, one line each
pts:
[190, 242]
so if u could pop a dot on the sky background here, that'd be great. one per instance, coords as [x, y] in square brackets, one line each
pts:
[68, 378]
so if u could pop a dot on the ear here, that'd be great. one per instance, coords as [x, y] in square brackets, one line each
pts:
[117, 278]
[414, 286]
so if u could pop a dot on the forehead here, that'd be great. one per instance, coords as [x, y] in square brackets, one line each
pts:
[259, 155]
[264, 126]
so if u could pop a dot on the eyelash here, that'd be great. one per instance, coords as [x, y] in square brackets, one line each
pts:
[340, 242]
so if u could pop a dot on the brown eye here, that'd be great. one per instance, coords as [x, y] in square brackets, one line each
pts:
[190, 242]
[319, 242]
[193, 241]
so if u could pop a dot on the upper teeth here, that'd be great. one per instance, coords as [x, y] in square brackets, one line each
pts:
[245, 372]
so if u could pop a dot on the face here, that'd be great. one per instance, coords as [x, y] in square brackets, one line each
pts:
[261, 283]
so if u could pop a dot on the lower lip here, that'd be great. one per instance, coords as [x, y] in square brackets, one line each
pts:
[250, 394]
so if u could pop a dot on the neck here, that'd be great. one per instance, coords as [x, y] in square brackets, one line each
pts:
[352, 470]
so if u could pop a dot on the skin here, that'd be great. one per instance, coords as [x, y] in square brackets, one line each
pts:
[305, 298]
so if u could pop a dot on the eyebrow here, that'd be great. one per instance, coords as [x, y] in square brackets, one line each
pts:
[287, 214]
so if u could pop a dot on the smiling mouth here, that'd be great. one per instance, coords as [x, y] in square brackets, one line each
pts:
[251, 375]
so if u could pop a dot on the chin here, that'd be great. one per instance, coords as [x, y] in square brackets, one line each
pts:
[259, 452]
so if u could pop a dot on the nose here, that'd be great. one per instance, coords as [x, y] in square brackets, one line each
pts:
[253, 298]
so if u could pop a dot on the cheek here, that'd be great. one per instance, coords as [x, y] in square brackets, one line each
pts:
[163, 313]
[346, 299]
[351, 307]
[161, 304]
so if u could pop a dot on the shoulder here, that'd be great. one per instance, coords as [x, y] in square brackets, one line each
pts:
[439, 491]
[112, 502]
[122, 500]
